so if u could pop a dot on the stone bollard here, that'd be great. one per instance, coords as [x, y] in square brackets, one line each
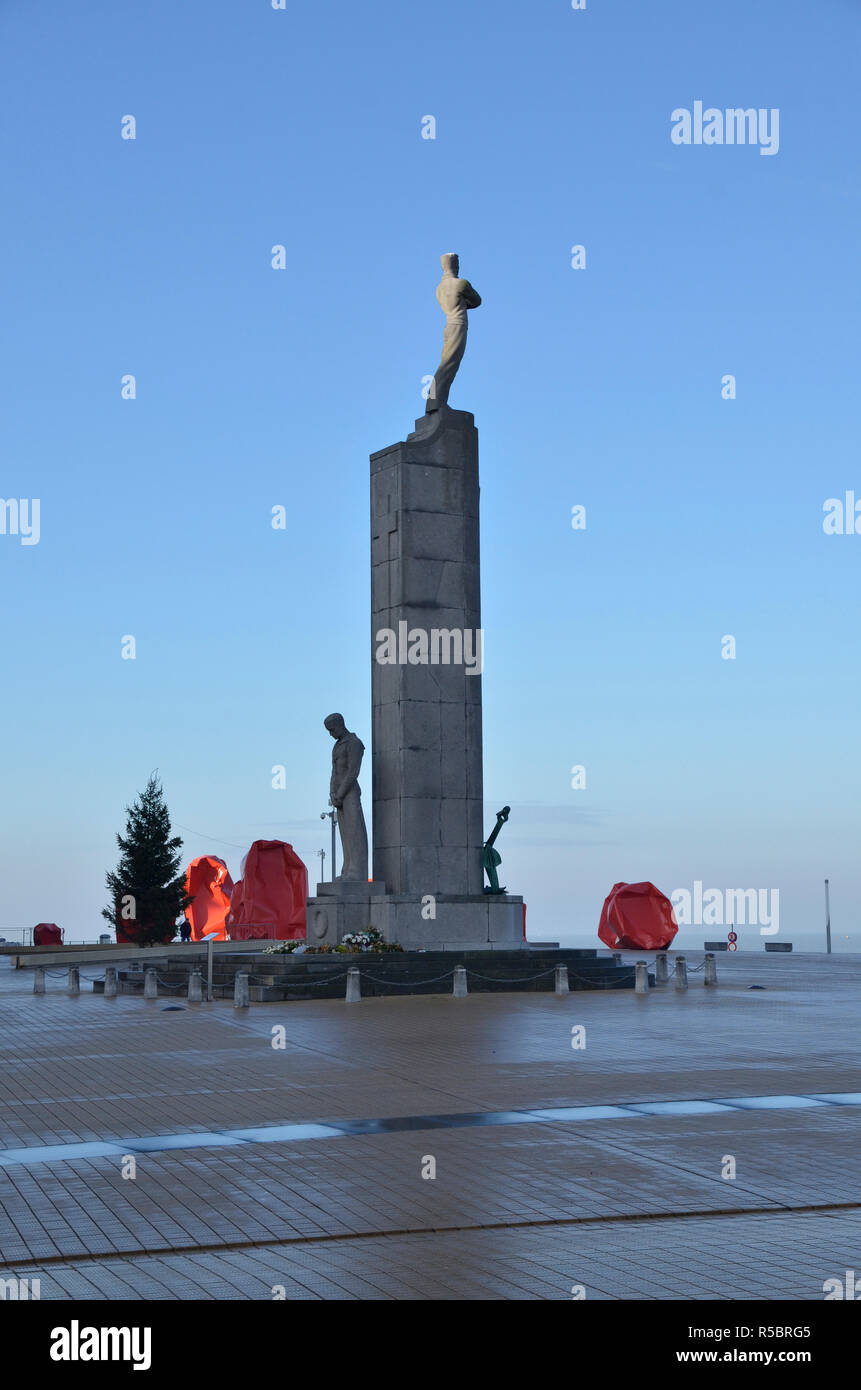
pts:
[710, 976]
[561, 986]
[661, 968]
[74, 985]
[195, 987]
[39, 980]
[354, 986]
[641, 978]
[240, 990]
[459, 987]
[110, 982]
[150, 984]
[680, 979]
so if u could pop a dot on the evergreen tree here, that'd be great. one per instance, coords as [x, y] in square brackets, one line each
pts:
[147, 893]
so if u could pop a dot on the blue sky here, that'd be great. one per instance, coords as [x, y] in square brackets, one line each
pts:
[599, 387]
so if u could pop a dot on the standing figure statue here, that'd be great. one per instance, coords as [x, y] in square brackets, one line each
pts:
[455, 296]
[345, 796]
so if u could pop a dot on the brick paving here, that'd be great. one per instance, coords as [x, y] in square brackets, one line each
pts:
[516, 1211]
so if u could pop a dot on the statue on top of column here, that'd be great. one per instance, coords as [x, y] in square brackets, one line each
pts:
[455, 296]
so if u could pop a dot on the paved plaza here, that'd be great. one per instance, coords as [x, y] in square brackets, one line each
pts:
[535, 1195]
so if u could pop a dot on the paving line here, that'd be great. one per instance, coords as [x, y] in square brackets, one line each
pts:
[620, 1219]
[299, 1131]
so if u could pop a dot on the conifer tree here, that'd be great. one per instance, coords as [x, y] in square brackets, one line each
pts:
[147, 893]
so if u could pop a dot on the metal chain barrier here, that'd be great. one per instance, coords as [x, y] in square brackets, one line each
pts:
[405, 984]
[300, 984]
[585, 978]
[285, 982]
[520, 979]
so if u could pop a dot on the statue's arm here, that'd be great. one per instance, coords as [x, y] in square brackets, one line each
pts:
[471, 296]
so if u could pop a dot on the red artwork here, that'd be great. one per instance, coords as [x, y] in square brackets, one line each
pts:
[269, 899]
[637, 916]
[47, 934]
[210, 885]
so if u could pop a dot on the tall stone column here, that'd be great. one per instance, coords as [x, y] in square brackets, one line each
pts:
[427, 761]
[426, 737]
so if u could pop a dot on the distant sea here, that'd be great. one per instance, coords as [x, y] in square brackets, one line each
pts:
[687, 939]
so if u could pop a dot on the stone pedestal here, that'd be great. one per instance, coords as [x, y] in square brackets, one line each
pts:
[462, 922]
[427, 768]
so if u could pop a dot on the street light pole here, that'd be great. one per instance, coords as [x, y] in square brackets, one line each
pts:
[827, 920]
[333, 817]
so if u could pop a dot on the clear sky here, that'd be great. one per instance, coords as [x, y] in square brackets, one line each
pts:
[599, 387]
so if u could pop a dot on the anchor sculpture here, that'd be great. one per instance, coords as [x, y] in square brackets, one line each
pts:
[490, 857]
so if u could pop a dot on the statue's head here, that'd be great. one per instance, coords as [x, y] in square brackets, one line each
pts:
[335, 725]
[450, 263]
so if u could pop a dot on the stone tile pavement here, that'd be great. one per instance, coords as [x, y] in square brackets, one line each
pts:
[629, 1208]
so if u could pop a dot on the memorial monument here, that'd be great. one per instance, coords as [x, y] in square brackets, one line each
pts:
[427, 650]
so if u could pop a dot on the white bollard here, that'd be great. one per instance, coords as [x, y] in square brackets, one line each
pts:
[561, 986]
[195, 987]
[39, 980]
[680, 979]
[240, 991]
[662, 973]
[354, 986]
[710, 975]
[459, 987]
[74, 985]
[110, 982]
[641, 978]
[150, 984]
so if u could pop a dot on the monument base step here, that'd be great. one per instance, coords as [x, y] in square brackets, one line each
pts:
[288, 977]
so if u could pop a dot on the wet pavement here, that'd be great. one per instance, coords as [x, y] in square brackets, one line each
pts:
[699, 1145]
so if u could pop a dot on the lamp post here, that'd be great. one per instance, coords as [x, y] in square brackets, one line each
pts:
[827, 920]
[333, 816]
[321, 854]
